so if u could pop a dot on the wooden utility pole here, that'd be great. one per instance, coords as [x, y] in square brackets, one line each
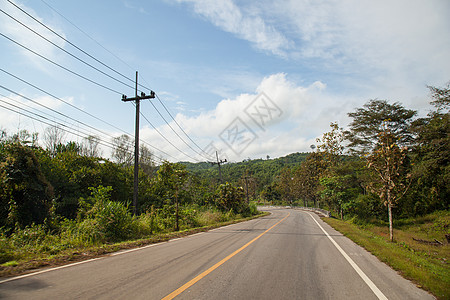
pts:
[137, 100]
[219, 163]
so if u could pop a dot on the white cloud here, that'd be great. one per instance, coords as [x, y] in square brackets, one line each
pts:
[381, 47]
[306, 113]
[231, 18]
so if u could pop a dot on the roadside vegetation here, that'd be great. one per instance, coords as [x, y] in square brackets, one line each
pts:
[420, 252]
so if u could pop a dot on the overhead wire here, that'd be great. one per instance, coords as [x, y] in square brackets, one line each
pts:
[83, 77]
[83, 111]
[59, 47]
[140, 85]
[94, 40]
[164, 137]
[180, 126]
[59, 65]
[63, 126]
[29, 111]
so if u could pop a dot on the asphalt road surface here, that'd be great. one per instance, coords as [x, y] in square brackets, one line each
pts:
[290, 254]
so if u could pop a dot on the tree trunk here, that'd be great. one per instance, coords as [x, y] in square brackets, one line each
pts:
[391, 230]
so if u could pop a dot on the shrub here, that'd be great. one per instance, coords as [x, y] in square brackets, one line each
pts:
[103, 219]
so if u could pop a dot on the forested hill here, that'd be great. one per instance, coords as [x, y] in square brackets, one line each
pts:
[264, 171]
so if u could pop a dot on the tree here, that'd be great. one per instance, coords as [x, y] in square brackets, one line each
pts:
[340, 188]
[89, 147]
[230, 198]
[122, 152]
[387, 160]
[146, 162]
[53, 137]
[432, 154]
[286, 185]
[331, 145]
[25, 193]
[306, 178]
[172, 179]
[369, 121]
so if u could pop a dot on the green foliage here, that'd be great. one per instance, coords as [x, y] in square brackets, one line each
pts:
[25, 193]
[231, 198]
[103, 219]
[432, 155]
[368, 121]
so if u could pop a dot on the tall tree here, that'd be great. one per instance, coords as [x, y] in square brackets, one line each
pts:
[306, 178]
[172, 178]
[387, 160]
[369, 121]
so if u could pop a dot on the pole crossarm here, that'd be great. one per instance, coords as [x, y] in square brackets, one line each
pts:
[141, 97]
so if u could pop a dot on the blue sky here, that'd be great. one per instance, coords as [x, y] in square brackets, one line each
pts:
[210, 62]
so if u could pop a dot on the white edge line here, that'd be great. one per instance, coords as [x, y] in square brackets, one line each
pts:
[49, 270]
[90, 260]
[97, 258]
[364, 277]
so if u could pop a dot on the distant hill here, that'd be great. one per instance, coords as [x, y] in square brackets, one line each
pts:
[264, 171]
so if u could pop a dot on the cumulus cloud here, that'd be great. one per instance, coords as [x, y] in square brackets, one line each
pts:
[394, 47]
[300, 114]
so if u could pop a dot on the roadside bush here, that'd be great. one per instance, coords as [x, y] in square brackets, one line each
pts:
[6, 251]
[103, 219]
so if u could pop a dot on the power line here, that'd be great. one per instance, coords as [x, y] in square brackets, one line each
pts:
[180, 126]
[66, 128]
[47, 123]
[79, 109]
[66, 116]
[62, 100]
[79, 59]
[59, 65]
[111, 69]
[91, 38]
[62, 49]
[51, 109]
[165, 138]
[168, 124]
[43, 117]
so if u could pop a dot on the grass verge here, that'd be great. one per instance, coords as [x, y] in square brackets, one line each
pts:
[424, 264]
[14, 268]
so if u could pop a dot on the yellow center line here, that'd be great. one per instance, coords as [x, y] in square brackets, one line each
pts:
[205, 273]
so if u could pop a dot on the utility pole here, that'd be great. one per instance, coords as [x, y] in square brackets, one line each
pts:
[246, 178]
[137, 100]
[219, 163]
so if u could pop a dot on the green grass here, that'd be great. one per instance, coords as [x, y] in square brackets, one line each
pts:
[424, 264]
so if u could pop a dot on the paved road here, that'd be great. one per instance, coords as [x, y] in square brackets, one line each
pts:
[286, 255]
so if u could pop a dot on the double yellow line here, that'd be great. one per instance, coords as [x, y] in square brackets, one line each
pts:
[205, 273]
